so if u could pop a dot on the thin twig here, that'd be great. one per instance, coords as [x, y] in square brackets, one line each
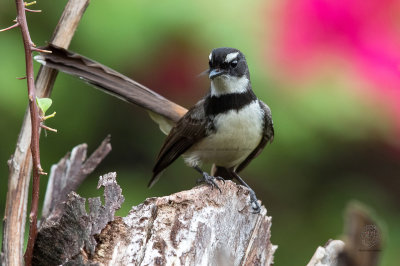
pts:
[33, 10]
[35, 123]
[11, 27]
[48, 128]
[20, 163]
[40, 50]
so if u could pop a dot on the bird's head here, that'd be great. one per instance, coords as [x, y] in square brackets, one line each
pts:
[228, 71]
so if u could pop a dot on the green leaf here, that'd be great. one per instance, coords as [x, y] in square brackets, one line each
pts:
[44, 104]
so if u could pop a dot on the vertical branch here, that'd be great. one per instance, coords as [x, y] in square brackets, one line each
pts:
[20, 164]
[35, 125]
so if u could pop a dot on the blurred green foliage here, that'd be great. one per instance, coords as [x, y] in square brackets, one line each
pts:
[331, 145]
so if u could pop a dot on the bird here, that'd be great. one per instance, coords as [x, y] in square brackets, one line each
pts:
[227, 128]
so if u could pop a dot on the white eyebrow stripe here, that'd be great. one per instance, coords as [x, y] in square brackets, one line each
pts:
[231, 56]
[210, 56]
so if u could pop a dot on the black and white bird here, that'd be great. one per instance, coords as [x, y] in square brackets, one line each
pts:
[228, 128]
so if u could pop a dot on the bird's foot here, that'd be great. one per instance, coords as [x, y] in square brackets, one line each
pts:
[253, 199]
[254, 202]
[210, 180]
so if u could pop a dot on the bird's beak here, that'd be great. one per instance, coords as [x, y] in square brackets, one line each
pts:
[215, 73]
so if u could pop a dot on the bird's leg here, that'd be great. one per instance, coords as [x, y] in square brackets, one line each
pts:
[208, 178]
[253, 199]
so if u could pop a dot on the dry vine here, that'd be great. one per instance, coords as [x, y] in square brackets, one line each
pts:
[29, 47]
[19, 163]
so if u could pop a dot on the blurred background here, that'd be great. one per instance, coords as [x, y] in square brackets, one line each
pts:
[329, 70]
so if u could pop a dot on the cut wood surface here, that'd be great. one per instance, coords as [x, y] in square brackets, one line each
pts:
[200, 226]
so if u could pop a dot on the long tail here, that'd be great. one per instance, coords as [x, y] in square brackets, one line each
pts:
[161, 110]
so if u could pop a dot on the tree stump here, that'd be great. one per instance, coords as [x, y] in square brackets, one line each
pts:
[200, 226]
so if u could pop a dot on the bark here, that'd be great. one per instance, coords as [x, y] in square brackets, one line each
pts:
[67, 235]
[20, 163]
[70, 172]
[196, 227]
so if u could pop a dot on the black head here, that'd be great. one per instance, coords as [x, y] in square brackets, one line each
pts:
[227, 61]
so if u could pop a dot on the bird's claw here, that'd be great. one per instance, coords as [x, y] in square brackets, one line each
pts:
[210, 180]
[254, 203]
[220, 179]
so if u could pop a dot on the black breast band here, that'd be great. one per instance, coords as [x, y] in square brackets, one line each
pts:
[234, 101]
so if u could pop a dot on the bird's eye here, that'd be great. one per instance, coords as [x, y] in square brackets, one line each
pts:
[234, 63]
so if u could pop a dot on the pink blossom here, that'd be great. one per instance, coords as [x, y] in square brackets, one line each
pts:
[364, 34]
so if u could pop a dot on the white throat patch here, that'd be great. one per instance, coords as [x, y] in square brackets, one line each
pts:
[231, 56]
[226, 84]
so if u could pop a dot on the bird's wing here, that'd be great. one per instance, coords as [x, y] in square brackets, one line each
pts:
[189, 129]
[268, 136]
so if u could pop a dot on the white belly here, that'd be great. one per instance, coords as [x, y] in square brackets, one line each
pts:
[237, 135]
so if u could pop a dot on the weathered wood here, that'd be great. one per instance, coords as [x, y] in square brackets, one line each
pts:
[20, 165]
[195, 227]
[67, 235]
[328, 254]
[363, 237]
[361, 245]
[70, 172]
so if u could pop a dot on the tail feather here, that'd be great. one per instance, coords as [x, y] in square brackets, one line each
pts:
[154, 179]
[110, 81]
